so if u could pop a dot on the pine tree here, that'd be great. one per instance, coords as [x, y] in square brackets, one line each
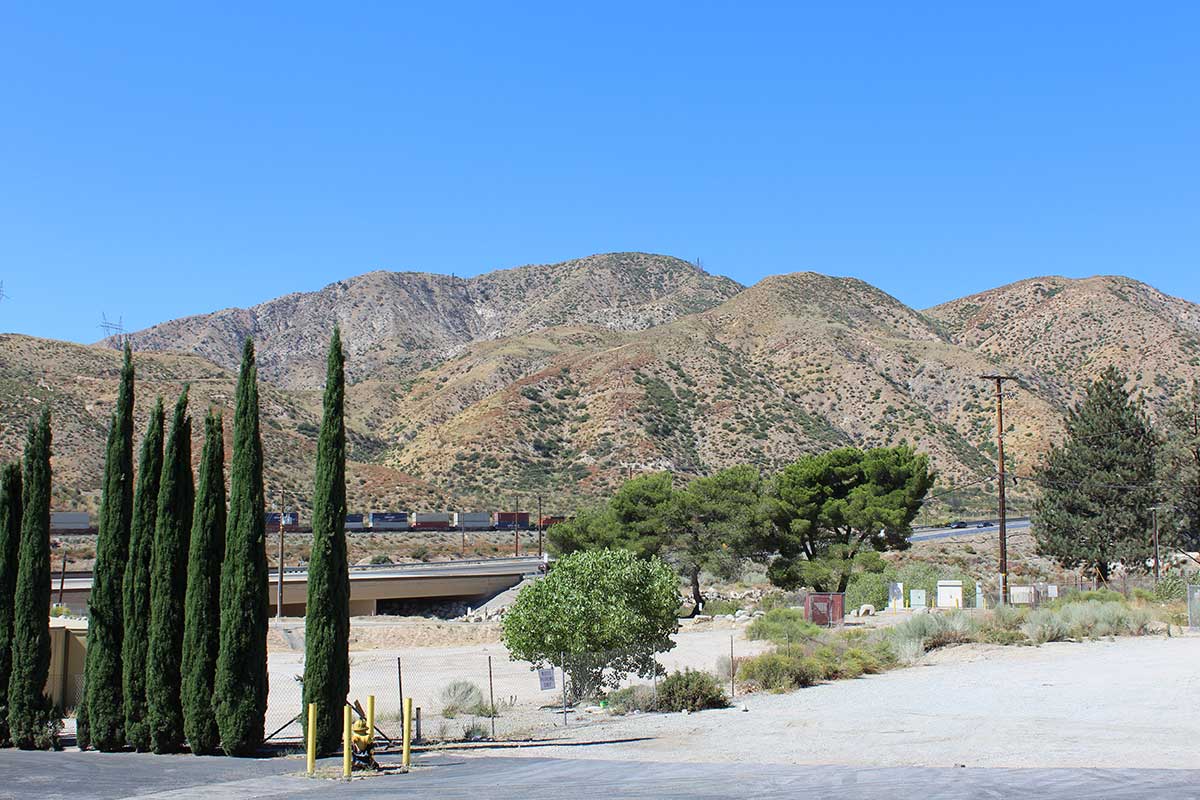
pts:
[202, 618]
[10, 542]
[1179, 470]
[28, 707]
[1098, 486]
[136, 591]
[168, 586]
[102, 666]
[327, 614]
[240, 687]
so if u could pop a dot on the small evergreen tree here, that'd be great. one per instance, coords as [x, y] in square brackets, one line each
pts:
[1098, 486]
[29, 713]
[202, 619]
[327, 614]
[240, 687]
[105, 714]
[136, 591]
[168, 586]
[10, 543]
[1179, 470]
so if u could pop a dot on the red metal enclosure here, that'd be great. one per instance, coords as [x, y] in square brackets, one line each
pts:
[825, 608]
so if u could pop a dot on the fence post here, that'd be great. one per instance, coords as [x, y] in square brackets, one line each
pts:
[346, 745]
[400, 679]
[491, 698]
[407, 748]
[563, 669]
[732, 670]
[312, 739]
[417, 734]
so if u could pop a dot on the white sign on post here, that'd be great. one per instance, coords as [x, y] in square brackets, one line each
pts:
[546, 678]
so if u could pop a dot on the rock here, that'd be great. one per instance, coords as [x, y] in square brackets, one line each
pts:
[702, 618]
[867, 610]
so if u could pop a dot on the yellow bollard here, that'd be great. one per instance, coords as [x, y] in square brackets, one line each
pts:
[371, 718]
[346, 762]
[312, 739]
[407, 732]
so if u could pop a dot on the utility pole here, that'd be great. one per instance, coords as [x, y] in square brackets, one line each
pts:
[279, 577]
[462, 530]
[517, 527]
[1001, 481]
[1155, 512]
[539, 498]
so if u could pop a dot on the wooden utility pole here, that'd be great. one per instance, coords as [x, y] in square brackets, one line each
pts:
[62, 575]
[517, 528]
[1001, 481]
[539, 498]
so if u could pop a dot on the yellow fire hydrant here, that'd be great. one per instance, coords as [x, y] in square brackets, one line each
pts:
[363, 744]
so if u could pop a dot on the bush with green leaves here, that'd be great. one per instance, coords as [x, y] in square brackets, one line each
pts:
[924, 632]
[690, 690]
[638, 697]
[783, 670]
[872, 587]
[1171, 587]
[782, 626]
[598, 614]
[1085, 621]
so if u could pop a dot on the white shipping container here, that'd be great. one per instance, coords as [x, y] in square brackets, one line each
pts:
[474, 520]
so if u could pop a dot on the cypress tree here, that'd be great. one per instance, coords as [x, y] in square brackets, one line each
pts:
[201, 632]
[168, 585]
[327, 614]
[136, 598]
[240, 688]
[1098, 486]
[102, 665]
[10, 542]
[28, 707]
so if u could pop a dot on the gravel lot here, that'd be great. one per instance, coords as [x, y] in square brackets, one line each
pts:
[1125, 703]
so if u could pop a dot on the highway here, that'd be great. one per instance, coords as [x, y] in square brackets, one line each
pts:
[927, 534]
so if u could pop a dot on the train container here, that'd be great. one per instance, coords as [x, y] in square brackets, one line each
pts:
[512, 520]
[546, 522]
[433, 521]
[388, 520]
[474, 520]
[69, 521]
[354, 522]
[291, 521]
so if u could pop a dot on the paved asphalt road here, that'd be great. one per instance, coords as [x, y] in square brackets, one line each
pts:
[1016, 524]
[83, 776]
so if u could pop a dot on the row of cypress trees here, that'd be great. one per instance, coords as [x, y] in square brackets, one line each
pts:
[178, 611]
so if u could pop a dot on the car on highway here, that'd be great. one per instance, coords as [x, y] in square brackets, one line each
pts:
[958, 524]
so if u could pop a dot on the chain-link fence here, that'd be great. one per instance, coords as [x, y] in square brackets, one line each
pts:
[471, 693]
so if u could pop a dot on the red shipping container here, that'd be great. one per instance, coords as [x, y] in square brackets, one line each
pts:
[825, 608]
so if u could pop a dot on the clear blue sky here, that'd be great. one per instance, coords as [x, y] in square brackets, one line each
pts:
[157, 160]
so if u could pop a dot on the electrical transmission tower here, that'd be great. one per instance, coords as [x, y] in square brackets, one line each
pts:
[3, 296]
[113, 330]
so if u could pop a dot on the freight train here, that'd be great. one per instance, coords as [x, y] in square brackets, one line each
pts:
[374, 521]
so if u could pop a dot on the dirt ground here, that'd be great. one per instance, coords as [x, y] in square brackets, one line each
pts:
[1127, 702]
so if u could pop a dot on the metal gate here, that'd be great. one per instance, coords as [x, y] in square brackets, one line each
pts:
[1193, 603]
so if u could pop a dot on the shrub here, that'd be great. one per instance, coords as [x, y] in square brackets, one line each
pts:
[690, 690]
[925, 632]
[1172, 587]
[718, 607]
[461, 697]
[1045, 625]
[868, 587]
[782, 626]
[638, 697]
[1085, 620]
[783, 670]
[380, 558]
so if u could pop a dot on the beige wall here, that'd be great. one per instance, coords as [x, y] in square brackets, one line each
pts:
[64, 684]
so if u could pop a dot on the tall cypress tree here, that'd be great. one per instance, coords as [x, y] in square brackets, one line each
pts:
[327, 614]
[10, 542]
[1098, 486]
[202, 618]
[168, 585]
[240, 688]
[28, 706]
[102, 665]
[136, 599]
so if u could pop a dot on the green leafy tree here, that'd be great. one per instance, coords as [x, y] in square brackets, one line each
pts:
[240, 689]
[714, 521]
[590, 528]
[10, 543]
[327, 610]
[31, 720]
[639, 518]
[599, 614]
[202, 617]
[1179, 470]
[105, 708]
[168, 586]
[136, 591]
[836, 511]
[1098, 485]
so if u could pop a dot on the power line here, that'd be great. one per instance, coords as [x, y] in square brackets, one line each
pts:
[113, 329]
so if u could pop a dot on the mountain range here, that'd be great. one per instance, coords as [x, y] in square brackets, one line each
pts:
[561, 380]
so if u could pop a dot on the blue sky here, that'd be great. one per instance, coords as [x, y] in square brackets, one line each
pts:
[158, 160]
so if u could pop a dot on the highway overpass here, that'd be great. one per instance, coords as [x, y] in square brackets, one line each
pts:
[440, 580]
